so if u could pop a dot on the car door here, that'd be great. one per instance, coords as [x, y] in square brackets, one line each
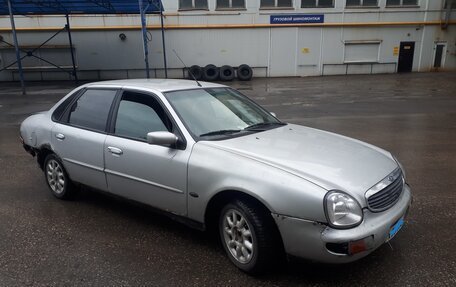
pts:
[78, 138]
[152, 174]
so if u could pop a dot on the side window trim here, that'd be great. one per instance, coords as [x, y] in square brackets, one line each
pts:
[74, 97]
[65, 116]
[110, 125]
[182, 142]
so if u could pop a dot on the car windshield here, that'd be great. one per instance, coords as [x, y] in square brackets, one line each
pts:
[219, 112]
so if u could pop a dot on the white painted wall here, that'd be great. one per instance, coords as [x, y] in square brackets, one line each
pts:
[271, 51]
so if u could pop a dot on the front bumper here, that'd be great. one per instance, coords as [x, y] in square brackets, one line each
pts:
[309, 239]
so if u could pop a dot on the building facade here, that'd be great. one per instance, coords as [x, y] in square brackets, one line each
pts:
[275, 37]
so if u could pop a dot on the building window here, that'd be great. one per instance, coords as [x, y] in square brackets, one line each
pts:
[359, 52]
[276, 4]
[317, 3]
[401, 3]
[192, 4]
[365, 3]
[449, 2]
[230, 4]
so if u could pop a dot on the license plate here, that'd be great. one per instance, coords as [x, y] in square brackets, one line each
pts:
[396, 227]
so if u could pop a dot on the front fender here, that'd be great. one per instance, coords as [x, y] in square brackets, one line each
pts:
[212, 170]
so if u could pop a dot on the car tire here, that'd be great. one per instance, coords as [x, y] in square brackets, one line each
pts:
[249, 236]
[196, 71]
[57, 178]
[211, 73]
[226, 73]
[244, 72]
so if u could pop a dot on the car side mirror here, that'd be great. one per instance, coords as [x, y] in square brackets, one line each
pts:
[273, 114]
[161, 138]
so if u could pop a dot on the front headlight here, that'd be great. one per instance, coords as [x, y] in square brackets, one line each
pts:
[342, 210]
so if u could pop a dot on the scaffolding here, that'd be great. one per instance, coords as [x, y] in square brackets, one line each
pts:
[70, 7]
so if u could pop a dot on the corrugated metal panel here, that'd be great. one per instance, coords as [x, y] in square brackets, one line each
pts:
[283, 52]
[219, 47]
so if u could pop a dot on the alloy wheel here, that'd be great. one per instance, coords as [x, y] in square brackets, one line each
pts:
[238, 236]
[55, 176]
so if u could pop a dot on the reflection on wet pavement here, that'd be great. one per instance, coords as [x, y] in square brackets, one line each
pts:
[97, 240]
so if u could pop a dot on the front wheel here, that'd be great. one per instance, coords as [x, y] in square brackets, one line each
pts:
[57, 179]
[249, 236]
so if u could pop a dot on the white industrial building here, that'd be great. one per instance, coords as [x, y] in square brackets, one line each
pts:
[275, 37]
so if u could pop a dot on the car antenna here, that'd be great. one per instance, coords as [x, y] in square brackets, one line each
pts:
[191, 74]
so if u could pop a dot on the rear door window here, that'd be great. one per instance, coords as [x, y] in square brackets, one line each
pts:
[91, 110]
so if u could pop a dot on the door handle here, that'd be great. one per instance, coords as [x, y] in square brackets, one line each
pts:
[60, 136]
[114, 150]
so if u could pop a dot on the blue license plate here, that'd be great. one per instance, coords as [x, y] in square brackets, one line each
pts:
[396, 227]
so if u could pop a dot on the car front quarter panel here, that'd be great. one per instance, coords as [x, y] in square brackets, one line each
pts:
[212, 170]
[307, 239]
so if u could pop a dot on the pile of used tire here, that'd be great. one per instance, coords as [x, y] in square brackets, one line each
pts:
[224, 73]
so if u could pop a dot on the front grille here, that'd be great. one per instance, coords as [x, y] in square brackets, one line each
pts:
[386, 197]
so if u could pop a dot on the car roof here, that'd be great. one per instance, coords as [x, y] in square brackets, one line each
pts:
[161, 85]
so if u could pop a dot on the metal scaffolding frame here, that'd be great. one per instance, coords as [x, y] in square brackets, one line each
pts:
[68, 7]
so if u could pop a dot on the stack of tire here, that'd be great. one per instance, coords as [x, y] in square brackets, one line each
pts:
[224, 73]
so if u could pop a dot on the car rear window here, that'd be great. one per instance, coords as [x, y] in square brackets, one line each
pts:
[91, 110]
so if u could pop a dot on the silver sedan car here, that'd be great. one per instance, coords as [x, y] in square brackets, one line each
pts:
[213, 159]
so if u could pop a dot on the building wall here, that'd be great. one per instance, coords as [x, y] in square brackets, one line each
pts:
[345, 43]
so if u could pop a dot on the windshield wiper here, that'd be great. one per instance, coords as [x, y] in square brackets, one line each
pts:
[253, 127]
[263, 125]
[220, 132]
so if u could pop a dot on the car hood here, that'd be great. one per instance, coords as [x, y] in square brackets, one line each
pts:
[329, 160]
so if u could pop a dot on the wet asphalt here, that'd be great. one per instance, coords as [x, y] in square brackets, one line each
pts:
[97, 240]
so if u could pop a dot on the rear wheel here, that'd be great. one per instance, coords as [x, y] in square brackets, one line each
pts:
[248, 236]
[57, 179]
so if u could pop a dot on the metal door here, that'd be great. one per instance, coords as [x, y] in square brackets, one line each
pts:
[439, 55]
[79, 138]
[82, 154]
[406, 54]
[151, 174]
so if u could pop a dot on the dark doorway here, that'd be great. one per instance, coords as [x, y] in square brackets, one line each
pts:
[438, 55]
[406, 57]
